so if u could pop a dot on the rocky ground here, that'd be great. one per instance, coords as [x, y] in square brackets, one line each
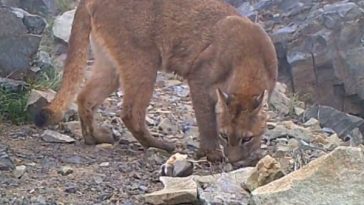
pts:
[72, 173]
[53, 166]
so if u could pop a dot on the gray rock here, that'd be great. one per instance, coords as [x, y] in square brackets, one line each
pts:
[19, 171]
[289, 129]
[6, 163]
[38, 99]
[65, 170]
[19, 40]
[41, 7]
[62, 25]
[167, 126]
[343, 124]
[56, 137]
[279, 101]
[336, 178]
[225, 188]
[180, 168]
[222, 188]
[13, 85]
[35, 24]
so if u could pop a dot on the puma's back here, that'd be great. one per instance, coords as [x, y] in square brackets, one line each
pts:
[177, 30]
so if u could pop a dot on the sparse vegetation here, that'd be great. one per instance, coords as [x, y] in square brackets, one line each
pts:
[49, 79]
[65, 5]
[13, 106]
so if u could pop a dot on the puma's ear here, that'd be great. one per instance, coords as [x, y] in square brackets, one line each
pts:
[222, 98]
[262, 101]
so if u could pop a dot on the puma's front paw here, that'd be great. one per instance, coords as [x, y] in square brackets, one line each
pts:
[104, 135]
[212, 155]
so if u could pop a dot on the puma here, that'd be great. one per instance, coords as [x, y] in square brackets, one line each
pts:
[228, 62]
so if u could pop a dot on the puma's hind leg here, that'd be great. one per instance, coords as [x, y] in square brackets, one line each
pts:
[102, 83]
[137, 79]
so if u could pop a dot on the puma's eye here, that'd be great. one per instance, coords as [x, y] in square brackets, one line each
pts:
[245, 140]
[224, 137]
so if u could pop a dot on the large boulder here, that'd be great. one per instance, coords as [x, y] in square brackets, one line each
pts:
[336, 178]
[19, 39]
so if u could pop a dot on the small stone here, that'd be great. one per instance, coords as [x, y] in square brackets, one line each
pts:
[177, 166]
[98, 179]
[267, 170]
[175, 191]
[299, 111]
[313, 124]
[182, 168]
[56, 137]
[71, 189]
[73, 127]
[333, 141]
[105, 164]
[156, 155]
[104, 146]
[65, 170]
[167, 126]
[19, 171]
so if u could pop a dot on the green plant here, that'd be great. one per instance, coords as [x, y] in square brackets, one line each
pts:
[65, 5]
[48, 79]
[293, 102]
[12, 106]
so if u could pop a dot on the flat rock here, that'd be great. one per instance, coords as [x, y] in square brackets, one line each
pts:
[56, 137]
[342, 123]
[225, 188]
[288, 128]
[336, 178]
[176, 191]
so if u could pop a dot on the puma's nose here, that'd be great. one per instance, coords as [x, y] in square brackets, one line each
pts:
[233, 154]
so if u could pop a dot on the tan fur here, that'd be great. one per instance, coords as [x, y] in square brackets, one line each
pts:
[205, 41]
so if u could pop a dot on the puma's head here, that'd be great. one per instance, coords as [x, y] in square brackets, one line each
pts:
[241, 124]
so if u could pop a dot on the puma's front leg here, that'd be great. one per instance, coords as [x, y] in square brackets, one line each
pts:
[204, 107]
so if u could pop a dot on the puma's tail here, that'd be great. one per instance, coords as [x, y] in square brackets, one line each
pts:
[73, 71]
